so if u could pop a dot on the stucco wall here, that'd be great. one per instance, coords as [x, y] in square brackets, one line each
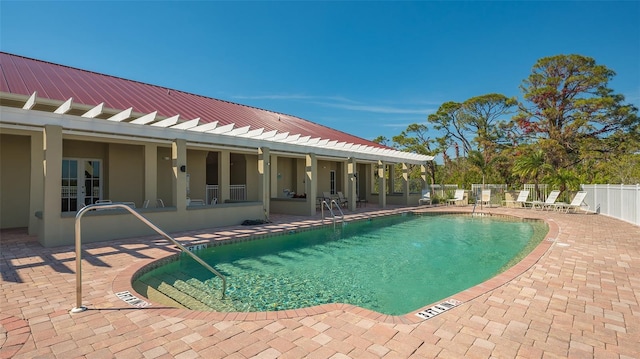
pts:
[197, 170]
[106, 225]
[295, 206]
[251, 168]
[125, 171]
[165, 176]
[15, 168]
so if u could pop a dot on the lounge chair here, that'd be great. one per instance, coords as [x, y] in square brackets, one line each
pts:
[326, 197]
[426, 198]
[576, 203]
[486, 197]
[521, 201]
[342, 200]
[548, 203]
[457, 197]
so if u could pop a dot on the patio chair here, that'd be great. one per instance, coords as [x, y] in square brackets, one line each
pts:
[457, 197]
[426, 197]
[326, 197]
[342, 200]
[521, 200]
[485, 199]
[548, 203]
[576, 203]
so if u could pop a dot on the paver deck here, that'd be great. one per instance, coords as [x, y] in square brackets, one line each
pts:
[577, 296]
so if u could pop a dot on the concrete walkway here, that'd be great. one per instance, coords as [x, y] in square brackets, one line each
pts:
[577, 295]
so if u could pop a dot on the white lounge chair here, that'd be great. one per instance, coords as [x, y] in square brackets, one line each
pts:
[548, 203]
[457, 197]
[521, 200]
[485, 199]
[426, 198]
[576, 203]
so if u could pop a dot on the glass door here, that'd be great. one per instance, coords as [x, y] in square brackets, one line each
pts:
[81, 183]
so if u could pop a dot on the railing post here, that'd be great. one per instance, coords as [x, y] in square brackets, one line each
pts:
[79, 307]
[78, 235]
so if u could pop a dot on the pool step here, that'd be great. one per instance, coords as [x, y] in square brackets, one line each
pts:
[200, 291]
[155, 295]
[177, 295]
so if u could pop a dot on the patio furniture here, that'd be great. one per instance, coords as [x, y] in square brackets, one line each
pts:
[342, 200]
[575, 204]
[548, 203]
[485, 198]
[426, 197]
[521, 201]
[457, 197]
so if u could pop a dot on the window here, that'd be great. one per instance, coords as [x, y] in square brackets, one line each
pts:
[332, 181]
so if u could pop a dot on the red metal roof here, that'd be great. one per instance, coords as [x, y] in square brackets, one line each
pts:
[23, 76]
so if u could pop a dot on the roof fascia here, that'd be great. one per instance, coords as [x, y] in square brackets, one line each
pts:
[275, 143]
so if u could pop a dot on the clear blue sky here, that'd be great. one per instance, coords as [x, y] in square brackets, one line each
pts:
[366, 68]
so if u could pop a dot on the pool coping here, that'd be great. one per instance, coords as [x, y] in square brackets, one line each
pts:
[122, 283]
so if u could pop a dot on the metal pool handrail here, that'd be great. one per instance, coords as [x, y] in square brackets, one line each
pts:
[79, 307]
[329, 207]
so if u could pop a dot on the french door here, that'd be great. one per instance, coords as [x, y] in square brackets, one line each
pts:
[81, 183]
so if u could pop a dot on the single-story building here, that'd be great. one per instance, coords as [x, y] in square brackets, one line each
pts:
[71, 138]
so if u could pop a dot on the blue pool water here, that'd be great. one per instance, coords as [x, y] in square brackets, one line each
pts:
[392, 265]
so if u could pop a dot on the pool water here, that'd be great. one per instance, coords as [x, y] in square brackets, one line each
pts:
[392, 265]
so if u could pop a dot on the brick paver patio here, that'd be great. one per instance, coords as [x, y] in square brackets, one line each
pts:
[577, 295]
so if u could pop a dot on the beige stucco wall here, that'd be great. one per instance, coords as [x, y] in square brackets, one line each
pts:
[85, 149]
[251, 168]
[107, 225]
[15, 160]
[285, 177]
[197, 170]
[165, 175]
[295, 206]
[124, 169]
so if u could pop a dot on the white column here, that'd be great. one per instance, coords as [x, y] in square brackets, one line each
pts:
[179, 163]
[151, 173]
[36, 195]
[224, 176]
[51, 211]
[311, 181]
[352, 179]
[264, 178]
[382, 185]
[274, 176]
[405, 183]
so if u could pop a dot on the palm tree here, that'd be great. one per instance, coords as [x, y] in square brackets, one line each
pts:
[564, 180]
[531, 166]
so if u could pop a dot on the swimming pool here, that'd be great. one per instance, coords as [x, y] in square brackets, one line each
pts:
[392, 265]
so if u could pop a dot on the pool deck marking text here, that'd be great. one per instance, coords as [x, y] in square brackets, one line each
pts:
[438, 308]
[132, 299]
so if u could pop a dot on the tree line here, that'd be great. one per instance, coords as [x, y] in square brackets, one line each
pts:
[570, 128]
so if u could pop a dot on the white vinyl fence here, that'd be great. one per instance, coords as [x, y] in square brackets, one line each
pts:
[614, 200]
